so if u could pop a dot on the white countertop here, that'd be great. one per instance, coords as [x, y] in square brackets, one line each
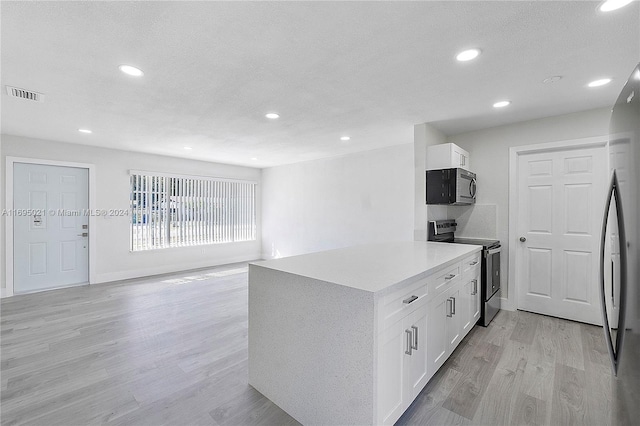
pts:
[372, 267]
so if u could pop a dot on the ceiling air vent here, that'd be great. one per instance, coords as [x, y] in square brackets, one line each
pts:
[29, 95]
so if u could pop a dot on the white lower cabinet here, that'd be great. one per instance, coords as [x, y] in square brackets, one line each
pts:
[474, 308]
[467, 305]
[416, 372]
[454, 319]
[437, 316]
[403, 365]
[443, 327]
[418, 342]
[470, 296]
[391, 377]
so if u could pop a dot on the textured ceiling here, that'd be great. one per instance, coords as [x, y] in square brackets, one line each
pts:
[370, 70]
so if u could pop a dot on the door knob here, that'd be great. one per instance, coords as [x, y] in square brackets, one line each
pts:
[523, 239]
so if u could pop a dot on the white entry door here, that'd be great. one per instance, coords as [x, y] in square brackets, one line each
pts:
[561, 198]
[50, 227]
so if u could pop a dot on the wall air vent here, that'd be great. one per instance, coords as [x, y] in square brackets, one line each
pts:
[29, 95]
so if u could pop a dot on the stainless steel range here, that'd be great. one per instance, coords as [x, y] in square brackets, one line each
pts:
[444, 231]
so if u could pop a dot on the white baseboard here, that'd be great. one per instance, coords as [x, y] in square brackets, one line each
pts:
[507, 304]
[140, 273]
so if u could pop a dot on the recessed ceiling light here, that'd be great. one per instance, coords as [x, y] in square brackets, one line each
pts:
[254, 158]
[188, 148]
[345, 138]
[609, 5]
[128, 69]
[272, 115]
[598, 83]
[468, 55]
[501, 104]
[85, 131]
[552, 79]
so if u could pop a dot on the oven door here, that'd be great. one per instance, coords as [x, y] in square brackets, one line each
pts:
[492, 272]
[465, 187]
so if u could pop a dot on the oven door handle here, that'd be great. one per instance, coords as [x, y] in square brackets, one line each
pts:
[494, 251]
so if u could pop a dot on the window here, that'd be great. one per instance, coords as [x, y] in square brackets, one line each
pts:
[179, 211]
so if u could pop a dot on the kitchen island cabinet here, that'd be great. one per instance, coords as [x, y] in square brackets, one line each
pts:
[350, 336]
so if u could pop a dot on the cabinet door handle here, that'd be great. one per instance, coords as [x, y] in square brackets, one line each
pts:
[415, 337]
[450, 277]
[453, 310]
[449, 308]
[475, 288]
[409, 345]
[410, 299]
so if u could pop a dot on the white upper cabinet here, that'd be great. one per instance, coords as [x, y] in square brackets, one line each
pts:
[447, 156]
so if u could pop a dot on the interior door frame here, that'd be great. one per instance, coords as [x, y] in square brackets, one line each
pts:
[10, 161]
[511, 303]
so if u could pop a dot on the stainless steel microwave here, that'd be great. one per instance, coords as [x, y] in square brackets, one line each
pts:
[453, 187]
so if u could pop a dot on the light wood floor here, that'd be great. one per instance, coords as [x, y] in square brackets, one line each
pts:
[173, 350]
[524, 369]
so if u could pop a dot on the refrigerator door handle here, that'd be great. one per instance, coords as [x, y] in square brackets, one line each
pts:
[613, 288]
[614, 353]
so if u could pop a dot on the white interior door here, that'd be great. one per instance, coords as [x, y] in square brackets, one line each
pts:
[50, 227]
[560, 205]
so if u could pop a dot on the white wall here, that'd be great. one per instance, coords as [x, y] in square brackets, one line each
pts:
[337, 202]
[113, 259]
[424, 135]
[489, 154]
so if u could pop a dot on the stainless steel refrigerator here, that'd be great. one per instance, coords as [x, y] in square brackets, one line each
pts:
[619, 268]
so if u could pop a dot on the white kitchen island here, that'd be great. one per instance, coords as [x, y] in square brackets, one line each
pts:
[351, 336]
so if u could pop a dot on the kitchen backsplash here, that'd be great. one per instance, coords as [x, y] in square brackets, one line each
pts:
[435, 212]
[477, 221]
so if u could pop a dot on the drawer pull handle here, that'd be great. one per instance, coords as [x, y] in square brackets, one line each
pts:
[415, 337]
[475, 262]
[410, 299]
[409, 345]
[450, 277]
